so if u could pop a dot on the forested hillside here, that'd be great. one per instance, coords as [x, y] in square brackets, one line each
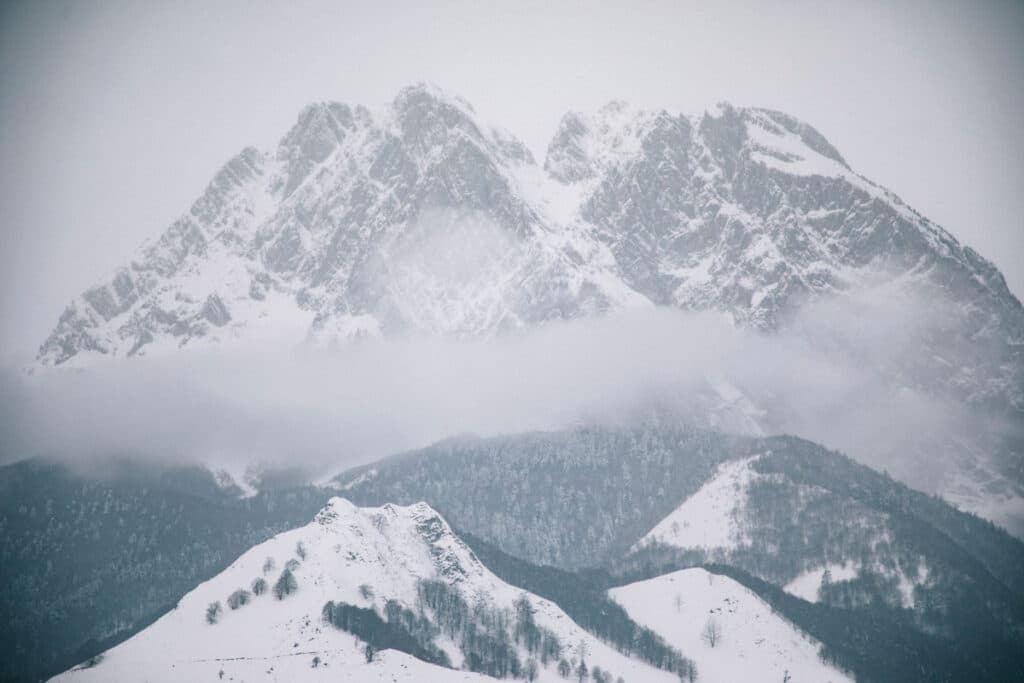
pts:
[90, 557]
[572, 499]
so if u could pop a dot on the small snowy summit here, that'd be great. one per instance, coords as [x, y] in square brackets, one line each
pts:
[360, 594]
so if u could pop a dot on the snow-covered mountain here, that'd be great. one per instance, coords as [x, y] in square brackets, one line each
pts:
[369, 559]
[419, 216]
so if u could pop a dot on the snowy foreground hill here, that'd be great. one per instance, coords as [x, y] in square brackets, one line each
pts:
[273, 615]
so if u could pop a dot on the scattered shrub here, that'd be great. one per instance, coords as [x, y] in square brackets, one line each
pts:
[213, 612]
[238, 598]
[286, 584]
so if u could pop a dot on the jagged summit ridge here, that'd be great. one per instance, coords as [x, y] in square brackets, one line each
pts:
[420, 217]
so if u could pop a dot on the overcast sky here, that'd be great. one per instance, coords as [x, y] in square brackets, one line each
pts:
[114, 116]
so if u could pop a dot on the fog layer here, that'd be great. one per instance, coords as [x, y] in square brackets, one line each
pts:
[330, 409]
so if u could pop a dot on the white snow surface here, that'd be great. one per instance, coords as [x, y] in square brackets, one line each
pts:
[755, 643]
[387, 549]
[709, 518]
[808, 584]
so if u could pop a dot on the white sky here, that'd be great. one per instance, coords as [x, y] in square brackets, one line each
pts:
[114, 116]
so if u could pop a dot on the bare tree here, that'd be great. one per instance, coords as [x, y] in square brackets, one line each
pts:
[712, 632]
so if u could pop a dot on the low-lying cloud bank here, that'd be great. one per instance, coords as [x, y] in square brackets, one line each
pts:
[832, 380]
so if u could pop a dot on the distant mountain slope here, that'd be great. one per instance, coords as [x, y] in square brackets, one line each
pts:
[572, 499]
[607, 488]
[772, 511]
[92, 554]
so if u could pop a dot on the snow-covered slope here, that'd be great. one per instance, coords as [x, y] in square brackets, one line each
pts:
[741, 515]
[360, 556]
[752, 642]
[710, 518]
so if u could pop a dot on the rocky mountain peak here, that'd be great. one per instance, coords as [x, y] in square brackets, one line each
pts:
[352, 223]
